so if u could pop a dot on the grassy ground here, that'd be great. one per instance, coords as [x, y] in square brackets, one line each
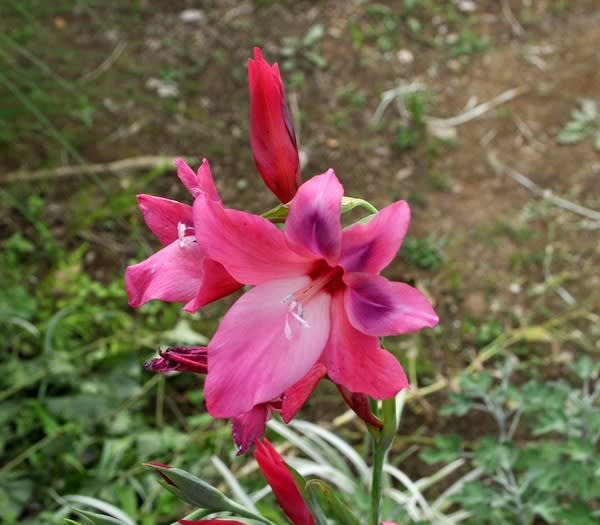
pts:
[457, 111]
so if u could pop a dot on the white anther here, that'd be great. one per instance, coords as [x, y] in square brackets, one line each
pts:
[184, 240]
[297, 312]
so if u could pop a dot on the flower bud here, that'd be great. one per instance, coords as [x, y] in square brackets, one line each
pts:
[272, 134]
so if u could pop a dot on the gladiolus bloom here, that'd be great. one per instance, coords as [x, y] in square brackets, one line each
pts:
[282, 482]
[272, 134]
[180, 271]
[317, 296]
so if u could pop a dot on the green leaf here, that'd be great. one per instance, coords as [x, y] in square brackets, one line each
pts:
[313, 35]
[476, 385]
[459, 405]
[98, 519]
[491, 454]
[572, 133]
[585, 368]
[448, 448]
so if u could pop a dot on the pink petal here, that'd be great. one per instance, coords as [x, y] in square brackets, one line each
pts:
[371, 247]
[376, 306]
[356, 361]
[172, 274]
[295, 396]
[251, 248]
[248, 427]
[216, 283]
[163, 216]
[261, 348]
[197, 184]
[313, 224]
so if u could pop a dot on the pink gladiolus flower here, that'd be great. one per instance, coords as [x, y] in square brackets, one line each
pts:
[272, 134]
[180, 271]
[317, 296]
[282, 482]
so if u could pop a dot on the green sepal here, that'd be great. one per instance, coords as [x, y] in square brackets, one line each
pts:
[280, 212]
[340, 510]
[194, 491]
[312, 502]
[390, 423]
[349, 203]
[277, 214]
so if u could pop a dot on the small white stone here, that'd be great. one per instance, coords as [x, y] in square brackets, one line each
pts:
[515, 288]
[163, 88]
[191, 15]
[405, 56]
[466, 6]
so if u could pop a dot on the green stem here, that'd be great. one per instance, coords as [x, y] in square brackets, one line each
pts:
[380, 448]
[376, 484]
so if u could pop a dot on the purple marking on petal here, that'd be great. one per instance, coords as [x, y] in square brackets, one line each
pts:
[373, 303]
[357, 260]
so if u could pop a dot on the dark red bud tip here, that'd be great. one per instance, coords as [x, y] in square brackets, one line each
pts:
[160, 472]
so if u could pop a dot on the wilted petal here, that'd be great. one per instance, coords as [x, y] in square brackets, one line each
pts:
[200, 183]
[216, 283]
[356, 361]
[163, 216]
[248, 427]
[313, 224]
[271, 132]
[252, 249]
[263, 346]
[180, 359]
[295, 396]
[376, 306]
[172, 274]
[371, 247]
[361, 406]
[282, 482]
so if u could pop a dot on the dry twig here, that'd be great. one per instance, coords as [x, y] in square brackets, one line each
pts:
[115, 167]
[547, 194]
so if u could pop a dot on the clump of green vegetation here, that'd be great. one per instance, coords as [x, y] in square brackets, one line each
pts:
[412, 128]
[541, 464]
[426, 253]
[78, 412]
[584, 123]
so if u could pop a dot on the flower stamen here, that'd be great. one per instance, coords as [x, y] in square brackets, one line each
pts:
[185, 239]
